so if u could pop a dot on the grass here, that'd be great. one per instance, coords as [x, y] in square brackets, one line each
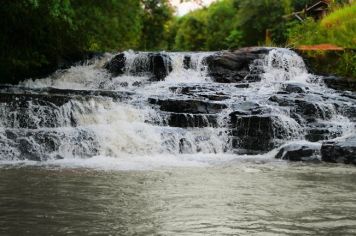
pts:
[338, 28]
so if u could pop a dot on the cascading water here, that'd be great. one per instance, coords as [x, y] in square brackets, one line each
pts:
[172, 110]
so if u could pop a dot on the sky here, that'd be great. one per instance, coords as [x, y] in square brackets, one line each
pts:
[184, 8]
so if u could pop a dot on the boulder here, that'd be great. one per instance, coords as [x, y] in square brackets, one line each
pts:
[233, 66]
[340, 83]
[308, 107]
[41, 145]
[302, 151]
[295, 88]
[340, 151]
[155, 65]
[256, 132]
[322, 131]
[116, 66]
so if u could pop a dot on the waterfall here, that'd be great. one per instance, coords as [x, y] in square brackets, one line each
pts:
[169, 104]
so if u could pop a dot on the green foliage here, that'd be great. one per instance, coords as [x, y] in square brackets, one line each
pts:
[212, 28]
[107, 25]
[39, 35]
[33, 34]
[156, 17]
[255, 17]
[221, 26]
[228, 24]
[191, 33]
[338, 28]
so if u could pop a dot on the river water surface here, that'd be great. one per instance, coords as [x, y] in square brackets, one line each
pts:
[237, 198]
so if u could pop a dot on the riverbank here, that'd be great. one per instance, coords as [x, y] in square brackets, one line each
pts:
[340, 63]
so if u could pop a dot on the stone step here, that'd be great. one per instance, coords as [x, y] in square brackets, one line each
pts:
[188, 106]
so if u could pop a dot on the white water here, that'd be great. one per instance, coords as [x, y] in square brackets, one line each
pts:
[132, 134]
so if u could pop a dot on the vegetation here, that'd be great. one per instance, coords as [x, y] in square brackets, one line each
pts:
[37, 36]
[337, 28]
[231, 24]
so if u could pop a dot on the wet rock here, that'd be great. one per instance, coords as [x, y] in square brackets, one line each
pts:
[306, 152]
[233, 67]
[256, 132]
[307, 107]
[21, 100]
[42, 145]
[340, 151]
[183, 120]
[310, 110]
[185, 146]
[160, 66]
[244, 85]
[214, 96]
[187, 62]
[248, 108]
[322, 131]
[116, 66]
[340, 83]
[188, 106]
[295, 88]
[57, 96]
[32, 111]
[155, 65]
[253, 78]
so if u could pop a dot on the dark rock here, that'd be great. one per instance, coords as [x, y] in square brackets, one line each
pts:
[55, 95]
[155, 65]
[340, 83]
[214, 97]
[183, 120]
[185, 146]
[187, 62]
[116, 66]
[188, 106]
[137, 84]
[21, 100]
[248, 108]
[233, 67]
[160, 66]
[295, 88]
[257, 132]
[308, 107]
[340, 151]
[308, 152]
[253, 78]
[245, 85]
[322, 131]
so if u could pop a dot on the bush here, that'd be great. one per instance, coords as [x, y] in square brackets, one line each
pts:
[339, 28]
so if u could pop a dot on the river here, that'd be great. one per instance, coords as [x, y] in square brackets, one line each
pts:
[235, 198]
[209, 143]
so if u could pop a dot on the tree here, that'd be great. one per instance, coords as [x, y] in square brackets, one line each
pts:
[39, 35]
[155, 17]
[255, 17]
[191, 33]
[222, 30]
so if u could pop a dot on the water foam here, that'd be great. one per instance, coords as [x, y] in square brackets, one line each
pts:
[133, 135]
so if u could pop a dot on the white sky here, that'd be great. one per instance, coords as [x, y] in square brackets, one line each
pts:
[184, 8]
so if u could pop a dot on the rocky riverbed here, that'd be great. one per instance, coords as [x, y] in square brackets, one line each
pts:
[250, 101]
